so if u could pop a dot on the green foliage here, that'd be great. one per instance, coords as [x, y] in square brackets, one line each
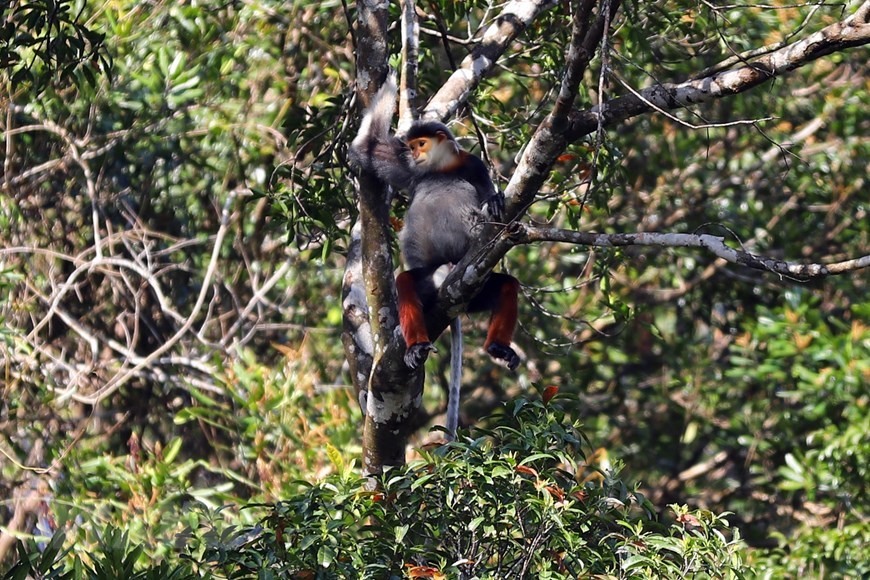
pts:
[193, 113]
[45, 42]
[714, 386]
[155, 489]
[115, 557]
[514, 500]
[520, 498]
[273, 432]
[819, 553]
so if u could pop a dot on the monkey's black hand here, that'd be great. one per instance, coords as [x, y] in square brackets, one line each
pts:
[418, 353]
[494, 206]
[505, 353]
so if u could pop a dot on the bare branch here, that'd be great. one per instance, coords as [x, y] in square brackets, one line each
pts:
[74, 146]
[256, 300]
[550, 139]
[410, 56]
[679, 121]
[551, 136]
[714, 244]
[576, 61]
[121, 379]
[508, 25]
[852, 32]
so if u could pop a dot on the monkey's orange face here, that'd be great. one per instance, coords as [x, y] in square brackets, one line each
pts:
[431, 150]
[420, 148]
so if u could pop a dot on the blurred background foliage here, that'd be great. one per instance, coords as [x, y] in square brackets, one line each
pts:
[186, 351]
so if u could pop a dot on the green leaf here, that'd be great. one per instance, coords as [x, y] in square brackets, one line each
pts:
[325, 556]
[401, 532]
[172, 449]
[308, 541]
[335, 457]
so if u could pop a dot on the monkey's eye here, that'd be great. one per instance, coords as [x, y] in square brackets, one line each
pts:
[421, 145]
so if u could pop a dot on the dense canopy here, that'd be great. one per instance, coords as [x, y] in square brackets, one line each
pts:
[194, 283]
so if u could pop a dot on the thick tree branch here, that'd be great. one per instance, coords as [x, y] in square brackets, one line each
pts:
[550, 139]
[469, 275]
[512, 21]
[472, 271]
[576, 61]
[390, 393]
[410, 56]
[371, 62]
[528, 234]
[852, 32]
[552, 135]
[356, 332]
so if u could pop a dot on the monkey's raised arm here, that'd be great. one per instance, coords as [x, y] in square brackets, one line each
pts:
[375, 150]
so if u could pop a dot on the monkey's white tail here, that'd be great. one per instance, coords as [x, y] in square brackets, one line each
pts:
[379, 115]
[455, 377]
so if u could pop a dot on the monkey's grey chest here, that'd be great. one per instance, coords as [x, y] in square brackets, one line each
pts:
[439, 222]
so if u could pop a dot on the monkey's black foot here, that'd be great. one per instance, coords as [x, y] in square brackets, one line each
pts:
[418, 353]
[505, 353]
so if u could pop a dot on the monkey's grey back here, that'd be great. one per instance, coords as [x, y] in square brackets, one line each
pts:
[439, 223]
